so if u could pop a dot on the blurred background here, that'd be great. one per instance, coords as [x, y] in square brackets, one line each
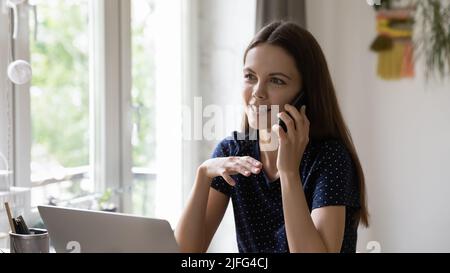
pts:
[104, 122]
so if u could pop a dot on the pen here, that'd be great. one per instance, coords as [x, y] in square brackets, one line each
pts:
[10, 219]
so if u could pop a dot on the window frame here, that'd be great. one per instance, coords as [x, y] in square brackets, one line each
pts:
[22, 114]
[111, 101]
[6, 91]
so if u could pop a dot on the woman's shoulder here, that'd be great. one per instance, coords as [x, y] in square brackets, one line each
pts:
[331, 150]
[328, 145]
[335, 179]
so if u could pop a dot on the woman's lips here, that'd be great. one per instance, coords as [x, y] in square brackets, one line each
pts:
[262, 109]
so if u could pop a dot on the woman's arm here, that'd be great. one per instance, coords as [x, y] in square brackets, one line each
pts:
[323, 229]
[201, 217]
[320, 231]
[206, 207]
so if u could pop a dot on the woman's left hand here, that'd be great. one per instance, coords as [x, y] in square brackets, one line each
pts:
[292, 144]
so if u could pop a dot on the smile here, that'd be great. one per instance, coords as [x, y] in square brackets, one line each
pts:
[263, 109]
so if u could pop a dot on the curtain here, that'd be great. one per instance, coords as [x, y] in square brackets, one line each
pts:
[270, 10]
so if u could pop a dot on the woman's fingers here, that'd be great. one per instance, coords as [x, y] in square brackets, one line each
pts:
[290, 124]
[280, 133]
[243, 165]
[253, 161]
[305, 118]
[243, 170]
[251, 164]
[296, 115]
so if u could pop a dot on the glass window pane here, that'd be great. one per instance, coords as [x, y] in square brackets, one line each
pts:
[143, 98]
[60, 100]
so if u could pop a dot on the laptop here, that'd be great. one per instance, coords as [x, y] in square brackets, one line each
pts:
[80, 231]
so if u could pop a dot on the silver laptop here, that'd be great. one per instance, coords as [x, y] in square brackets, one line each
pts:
[75, 231]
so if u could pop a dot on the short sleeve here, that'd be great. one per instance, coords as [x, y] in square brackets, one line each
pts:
[223, 149]
[337, 183]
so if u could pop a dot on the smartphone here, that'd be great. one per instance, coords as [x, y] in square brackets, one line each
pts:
[298, 102]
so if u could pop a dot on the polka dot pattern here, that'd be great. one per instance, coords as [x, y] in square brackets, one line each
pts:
[328, 179]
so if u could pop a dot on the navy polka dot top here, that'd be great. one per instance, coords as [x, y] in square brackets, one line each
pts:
[328, 177]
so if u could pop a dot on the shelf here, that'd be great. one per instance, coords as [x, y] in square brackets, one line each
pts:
[14, 191]
[5, 172]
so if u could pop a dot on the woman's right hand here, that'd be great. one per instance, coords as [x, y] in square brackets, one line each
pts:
[227, 166]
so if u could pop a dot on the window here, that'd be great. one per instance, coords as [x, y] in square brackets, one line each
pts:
[98, 117]
[158, 50]
[59, 102]
[143, 104]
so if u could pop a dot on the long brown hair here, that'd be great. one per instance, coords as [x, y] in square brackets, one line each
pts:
[323, 108]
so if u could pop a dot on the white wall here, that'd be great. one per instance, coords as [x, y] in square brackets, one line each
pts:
[225, 29]
[401, 130]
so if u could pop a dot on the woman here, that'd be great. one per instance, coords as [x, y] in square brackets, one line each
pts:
[307, 195]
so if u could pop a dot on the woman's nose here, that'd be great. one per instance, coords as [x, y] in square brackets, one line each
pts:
[259, 91]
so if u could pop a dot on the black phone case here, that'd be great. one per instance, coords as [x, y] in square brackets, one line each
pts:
[297, 103]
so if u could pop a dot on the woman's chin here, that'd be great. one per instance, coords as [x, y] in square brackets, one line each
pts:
[254, 125]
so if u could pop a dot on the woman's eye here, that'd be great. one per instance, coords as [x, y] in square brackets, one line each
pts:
[278, 81]
[249, 77]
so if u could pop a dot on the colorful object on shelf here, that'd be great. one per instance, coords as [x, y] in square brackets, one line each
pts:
[394, 43]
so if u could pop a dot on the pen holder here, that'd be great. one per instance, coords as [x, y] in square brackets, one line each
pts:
[36, 242]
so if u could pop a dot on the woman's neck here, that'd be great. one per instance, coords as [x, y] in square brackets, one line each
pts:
[268, 144]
